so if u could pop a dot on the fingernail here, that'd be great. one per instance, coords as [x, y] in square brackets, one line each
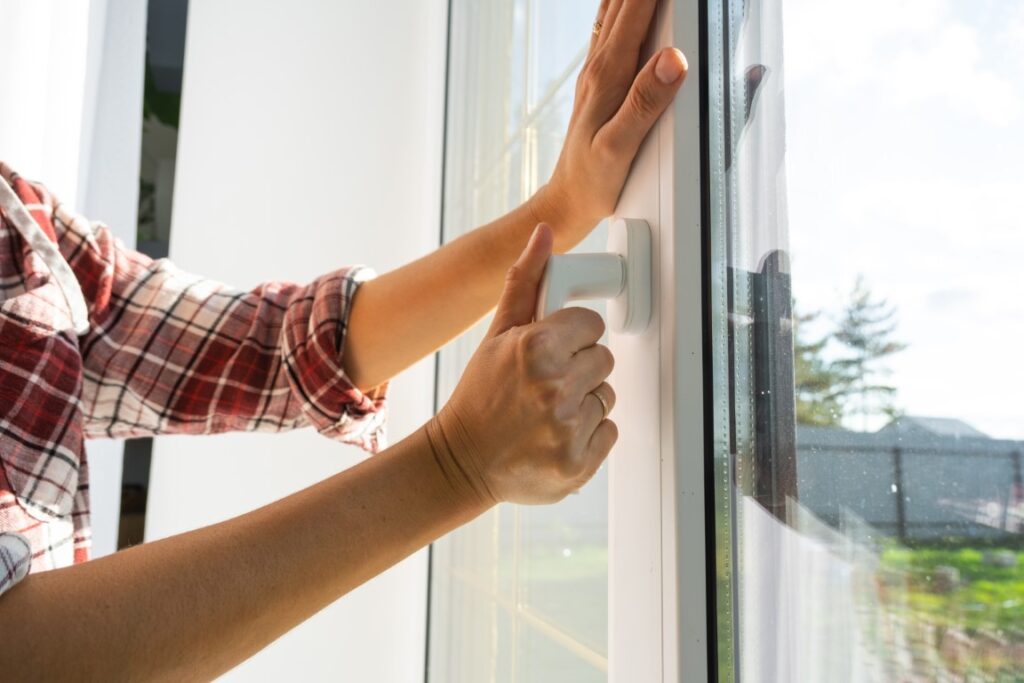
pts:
[541, 229]
[534, 235]
[670, 66]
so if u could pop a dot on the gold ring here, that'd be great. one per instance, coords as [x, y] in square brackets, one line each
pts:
[597, 27]
[604, 403]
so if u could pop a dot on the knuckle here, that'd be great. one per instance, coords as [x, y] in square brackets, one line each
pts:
[643, 102]
[537, 345]
[613, 432]
[606, 149]
[609, 362]
[535, 339]
[595, 69]
[514, 273]
[549, 396]
[603, 70]
[587, 318]
[609, 396]
[585, 81]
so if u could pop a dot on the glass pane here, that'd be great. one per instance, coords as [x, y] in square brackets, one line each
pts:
[866, 329]
[542, 659]
[521, 593]
[565, 565]
[559, 33]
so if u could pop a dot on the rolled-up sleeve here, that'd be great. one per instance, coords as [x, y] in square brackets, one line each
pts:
[15, 559]
[172, 353]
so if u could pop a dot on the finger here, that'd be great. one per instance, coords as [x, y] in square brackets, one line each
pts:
[605, 391]
[609, 20]
[575, 328]
[591, 367]
[602, 440]
[593, 407]
[632, 25]
[519, 299]
[651, 93]
[598, 448]
[599, 24]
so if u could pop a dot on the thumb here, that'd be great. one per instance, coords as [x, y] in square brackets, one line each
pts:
[649, 96]
[518, 301]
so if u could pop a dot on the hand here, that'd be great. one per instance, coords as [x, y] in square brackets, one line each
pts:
[615, 108]
[524, 424]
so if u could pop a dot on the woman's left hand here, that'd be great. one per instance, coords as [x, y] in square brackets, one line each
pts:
[615, 108]
[410, 312]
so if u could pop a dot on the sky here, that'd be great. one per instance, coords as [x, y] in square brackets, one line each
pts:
[905, 163]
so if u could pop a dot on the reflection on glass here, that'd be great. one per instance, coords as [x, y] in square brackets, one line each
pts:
[549, 126]
[542, 659]
[565, 563]
[866, 327]
[520, 594]
[557, 31]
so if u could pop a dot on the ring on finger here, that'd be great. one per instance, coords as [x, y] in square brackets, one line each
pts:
[604, 402]
[597, 27]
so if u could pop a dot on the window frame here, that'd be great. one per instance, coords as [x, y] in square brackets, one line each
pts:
[660, 598]
[667, 634]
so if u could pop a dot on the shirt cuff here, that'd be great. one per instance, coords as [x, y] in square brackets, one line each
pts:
[15, 559]
[315, 330]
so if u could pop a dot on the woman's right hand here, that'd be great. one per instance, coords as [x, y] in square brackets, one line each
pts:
[525, 423]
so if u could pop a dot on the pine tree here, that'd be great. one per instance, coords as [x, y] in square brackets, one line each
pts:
[865, 331]
[820, 385]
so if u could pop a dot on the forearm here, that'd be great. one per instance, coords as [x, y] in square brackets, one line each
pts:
[408, 313]
[195, 605]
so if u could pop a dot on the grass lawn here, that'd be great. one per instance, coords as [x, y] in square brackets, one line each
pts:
[969, 600]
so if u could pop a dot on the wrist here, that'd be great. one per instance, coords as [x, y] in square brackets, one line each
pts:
[456, 468]
[551, 204]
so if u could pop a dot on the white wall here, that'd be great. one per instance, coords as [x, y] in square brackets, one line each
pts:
[109, 192]
[112, 118]
[43, 45]
[72, 120]
[311, 137]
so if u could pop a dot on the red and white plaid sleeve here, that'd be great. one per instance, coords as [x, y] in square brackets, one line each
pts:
[172, 353]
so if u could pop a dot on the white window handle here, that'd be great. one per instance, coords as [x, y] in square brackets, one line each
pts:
[622, 275]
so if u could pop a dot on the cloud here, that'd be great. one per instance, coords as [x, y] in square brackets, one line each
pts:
[945, 300]
[903, 164]
[917, 52]
[1011, 42]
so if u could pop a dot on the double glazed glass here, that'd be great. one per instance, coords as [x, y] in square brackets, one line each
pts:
[519, 594]
[866, 171]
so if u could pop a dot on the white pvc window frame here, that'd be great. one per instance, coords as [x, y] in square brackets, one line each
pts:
[659, 627]
[658, 610]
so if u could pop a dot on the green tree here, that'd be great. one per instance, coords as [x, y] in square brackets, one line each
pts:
[865, 332]
[820, 385]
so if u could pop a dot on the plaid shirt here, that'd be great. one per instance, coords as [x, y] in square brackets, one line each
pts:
[119, 345]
